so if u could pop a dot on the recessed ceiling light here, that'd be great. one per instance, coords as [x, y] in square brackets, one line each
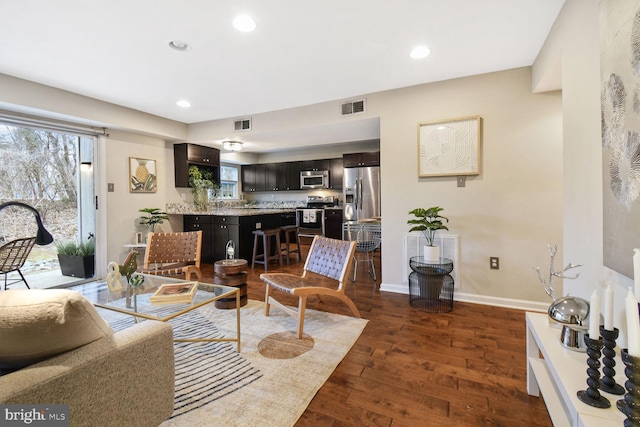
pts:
[420, 52]
[183, 103]
[244, 23]
[179, 45]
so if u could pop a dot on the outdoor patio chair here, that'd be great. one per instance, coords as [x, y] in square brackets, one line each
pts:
[173, 254]
[327, 257]
[12, 258]
[14, 253]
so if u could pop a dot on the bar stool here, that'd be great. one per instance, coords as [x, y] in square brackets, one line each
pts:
[264, 258]
[291, 231]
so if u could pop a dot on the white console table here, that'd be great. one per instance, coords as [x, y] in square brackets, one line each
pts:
[560, 373]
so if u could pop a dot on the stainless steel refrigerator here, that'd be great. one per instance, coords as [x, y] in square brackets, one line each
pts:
[361, 193]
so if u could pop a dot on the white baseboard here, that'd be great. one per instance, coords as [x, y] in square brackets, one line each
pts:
[478, 299]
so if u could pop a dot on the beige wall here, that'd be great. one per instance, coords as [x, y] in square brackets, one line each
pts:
[512, 210]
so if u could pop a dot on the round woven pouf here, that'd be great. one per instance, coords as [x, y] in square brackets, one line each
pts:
[231, 272]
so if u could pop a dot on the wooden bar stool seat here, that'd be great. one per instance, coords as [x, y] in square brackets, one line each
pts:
[291, 236]
[266, 256]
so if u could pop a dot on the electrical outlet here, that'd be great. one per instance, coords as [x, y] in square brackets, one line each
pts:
[494, 263]
[258, 225]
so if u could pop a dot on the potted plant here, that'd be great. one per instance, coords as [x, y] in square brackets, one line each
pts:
[428, 221]
[201, 181]
[154, 217]
[77, 259]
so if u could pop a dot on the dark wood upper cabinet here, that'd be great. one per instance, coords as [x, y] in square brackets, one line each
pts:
[293, 171]
[202, 155]
[185, 155]
[316, 165]
[356, 160]
[336, 173]
[253, 178]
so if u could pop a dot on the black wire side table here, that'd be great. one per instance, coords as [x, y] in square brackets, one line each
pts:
[431, 285]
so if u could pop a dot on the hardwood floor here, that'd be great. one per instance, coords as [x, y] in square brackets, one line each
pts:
[412, 368]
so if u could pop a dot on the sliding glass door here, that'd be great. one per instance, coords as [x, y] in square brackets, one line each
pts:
[53, 172]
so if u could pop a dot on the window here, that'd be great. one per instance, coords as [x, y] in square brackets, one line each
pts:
[228, 182]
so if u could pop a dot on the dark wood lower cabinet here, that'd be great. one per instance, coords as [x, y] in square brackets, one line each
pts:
[333, 223]
[217, 230]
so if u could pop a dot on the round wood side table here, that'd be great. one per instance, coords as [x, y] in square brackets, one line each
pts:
[231, 272]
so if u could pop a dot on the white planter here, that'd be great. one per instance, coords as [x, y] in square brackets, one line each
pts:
[431, 253]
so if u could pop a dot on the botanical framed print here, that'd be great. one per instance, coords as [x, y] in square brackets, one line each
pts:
[142, 175]
[450, 147]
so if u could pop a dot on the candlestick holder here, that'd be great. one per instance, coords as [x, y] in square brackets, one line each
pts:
[630, 405]
[591, 396]
[608, 383]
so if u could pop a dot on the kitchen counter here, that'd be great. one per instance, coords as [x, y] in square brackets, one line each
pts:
[189, 209]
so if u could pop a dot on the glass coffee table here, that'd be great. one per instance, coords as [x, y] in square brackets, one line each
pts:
[140, 305]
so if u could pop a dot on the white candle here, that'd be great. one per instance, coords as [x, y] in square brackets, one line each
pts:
[608, 308]
[594, 316]
[636, 273]
[633, 324]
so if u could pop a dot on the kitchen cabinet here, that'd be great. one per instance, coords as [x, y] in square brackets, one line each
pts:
[225, 228]
[253, 178]
[356, 160]
[316, 165]
[277, 176]
[197, 223]
[333, 223]
[285, 176]
[336, 172]
[185, 155]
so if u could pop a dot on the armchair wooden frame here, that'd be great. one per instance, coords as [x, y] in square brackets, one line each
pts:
[174, 254]
[327, 257]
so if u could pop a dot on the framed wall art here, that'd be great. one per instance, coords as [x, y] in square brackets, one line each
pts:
[142, 175]
[450, 147]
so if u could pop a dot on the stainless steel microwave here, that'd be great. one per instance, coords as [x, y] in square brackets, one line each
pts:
[310, 180]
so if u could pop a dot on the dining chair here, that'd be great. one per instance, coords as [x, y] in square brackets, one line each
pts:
[328, 258]
[173, 254]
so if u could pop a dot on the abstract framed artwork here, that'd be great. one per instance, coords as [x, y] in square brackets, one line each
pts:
[620, 115]
[142, 175]
[450, 147]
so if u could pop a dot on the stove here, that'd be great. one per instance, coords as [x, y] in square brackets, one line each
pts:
[310, 220]
[320, 202]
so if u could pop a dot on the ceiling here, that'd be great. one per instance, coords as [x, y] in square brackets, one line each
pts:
[302, 52]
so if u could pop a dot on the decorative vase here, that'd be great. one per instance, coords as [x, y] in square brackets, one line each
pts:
[431, 253]
[201, 197]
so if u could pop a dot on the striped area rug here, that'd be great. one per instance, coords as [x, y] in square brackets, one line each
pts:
[205, 372]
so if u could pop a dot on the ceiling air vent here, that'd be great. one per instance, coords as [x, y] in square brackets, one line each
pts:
[242, 124]
[352, 107]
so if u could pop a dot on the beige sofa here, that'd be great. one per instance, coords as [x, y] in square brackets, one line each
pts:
[126, 379]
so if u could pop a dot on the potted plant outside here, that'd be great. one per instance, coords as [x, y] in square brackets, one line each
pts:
[201, 181]
[429, 221]
[154, 217]
[77, 259]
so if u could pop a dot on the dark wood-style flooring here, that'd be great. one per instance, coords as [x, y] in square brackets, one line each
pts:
[412, 368]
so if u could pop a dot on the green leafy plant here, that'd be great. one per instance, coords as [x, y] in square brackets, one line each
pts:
[154, 217]
[201, 178]
[428, 221]
[71, 247]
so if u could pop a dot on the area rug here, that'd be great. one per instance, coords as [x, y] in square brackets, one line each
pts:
[277, 375]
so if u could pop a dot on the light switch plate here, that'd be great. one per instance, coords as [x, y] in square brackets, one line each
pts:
[462, 181]
[110, 187]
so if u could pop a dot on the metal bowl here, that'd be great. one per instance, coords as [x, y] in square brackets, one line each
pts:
[572, 311]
